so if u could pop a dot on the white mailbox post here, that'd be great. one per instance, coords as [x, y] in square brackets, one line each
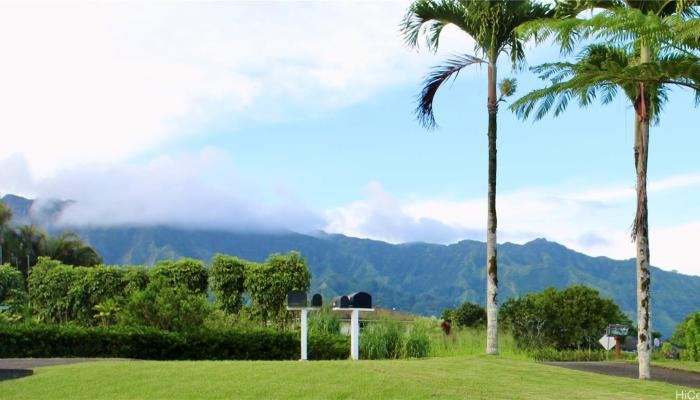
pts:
[356, 302]
[296, 301]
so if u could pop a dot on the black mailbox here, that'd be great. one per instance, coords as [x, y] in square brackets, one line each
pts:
[296, 299]
[341, 302]
[316, 300]
[360, 300]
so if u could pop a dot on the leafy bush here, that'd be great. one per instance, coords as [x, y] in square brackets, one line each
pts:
[25, 340]
[10, 280]
[551, 354]
[688, 335]
[468, 315]
[572, 318]
[166, 307]
[187, 273]
[62, 293]
[328, 347]
[39, 340]
[268, 285]
[228, 282]
[134, 278]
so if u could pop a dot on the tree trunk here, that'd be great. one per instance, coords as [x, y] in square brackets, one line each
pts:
[491, 263]
[640, 229]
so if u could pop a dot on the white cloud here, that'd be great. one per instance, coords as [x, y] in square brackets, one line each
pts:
[104, 81]
[200, 190]
[381, 216]
[594, 221]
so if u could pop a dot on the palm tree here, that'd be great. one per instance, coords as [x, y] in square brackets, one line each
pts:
[70, 249]
[31, 240]
[644, 58]
[492, 24]
[5, 218]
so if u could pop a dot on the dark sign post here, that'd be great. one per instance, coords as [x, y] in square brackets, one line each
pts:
[618, 332]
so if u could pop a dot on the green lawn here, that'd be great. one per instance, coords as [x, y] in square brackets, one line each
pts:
[676, 364]
[473, 377]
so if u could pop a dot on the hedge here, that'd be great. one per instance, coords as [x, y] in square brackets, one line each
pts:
[39, 340]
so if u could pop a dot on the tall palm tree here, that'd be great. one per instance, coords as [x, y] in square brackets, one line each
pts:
[644, 57]
[5, 218]
[492, 24]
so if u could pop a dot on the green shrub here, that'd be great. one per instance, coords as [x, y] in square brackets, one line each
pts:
[134, 278]
[268, 285]
[62, 293]
[572, 318]
[10, 280]
[328, 347]
[552, 354]
[228, 282]
[39, 340]
[165, 307]
[417, 344]
[49, 284]
[467, 315]
[187, 272]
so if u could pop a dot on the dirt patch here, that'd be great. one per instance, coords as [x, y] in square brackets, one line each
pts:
[627, 370]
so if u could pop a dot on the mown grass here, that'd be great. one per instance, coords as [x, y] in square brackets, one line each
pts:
[473, 377]
[677, 364]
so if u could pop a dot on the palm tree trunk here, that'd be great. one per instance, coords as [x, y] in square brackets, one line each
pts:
[640, 230]
[491, 262]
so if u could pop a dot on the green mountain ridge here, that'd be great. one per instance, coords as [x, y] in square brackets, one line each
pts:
[418, 277]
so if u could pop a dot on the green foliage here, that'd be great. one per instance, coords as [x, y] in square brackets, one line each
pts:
[107, 311]
[25, 340]
[68, 248]
[507, 88]
[186, 272]
[49, 285]
[417, 342]
[328, 347]
[491, 24]
[467, 315]
[572, 318]
[382, 339]
[373, 344]
[135, 278]
[550, 354]
[63, 293]
[166, 307]
[324, 322]
[10, 280]
[688, 335]
[391, 339]
[228, 282]
[268, 285]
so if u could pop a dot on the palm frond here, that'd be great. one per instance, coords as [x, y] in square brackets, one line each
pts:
[450, 69]
[600, 72]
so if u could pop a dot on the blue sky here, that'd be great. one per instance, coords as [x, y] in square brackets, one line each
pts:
[239, 115]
